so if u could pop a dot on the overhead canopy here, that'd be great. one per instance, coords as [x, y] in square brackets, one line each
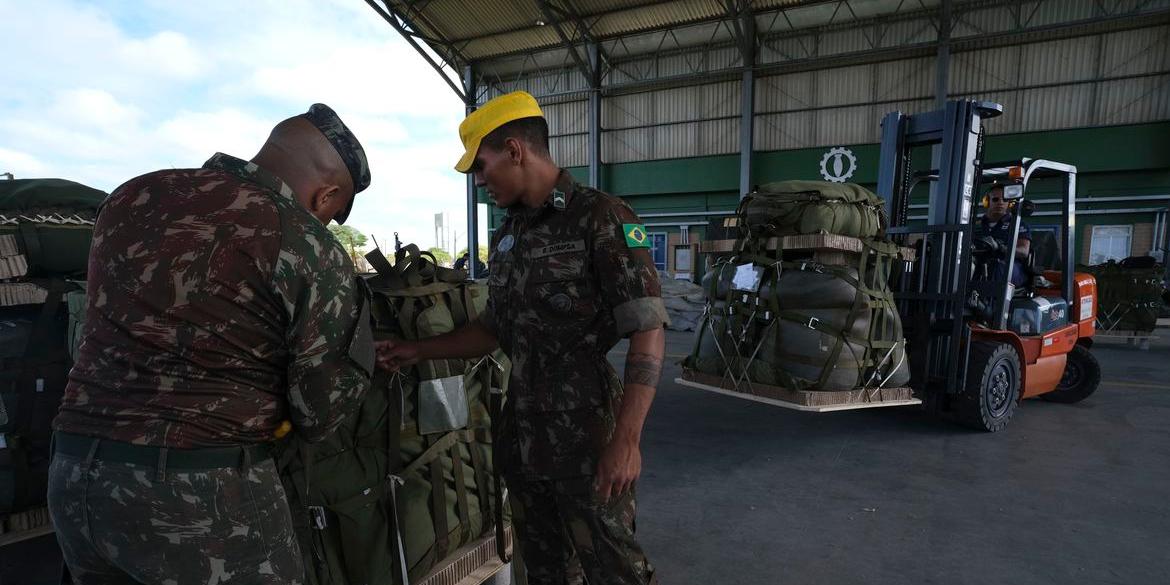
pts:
[509, 37]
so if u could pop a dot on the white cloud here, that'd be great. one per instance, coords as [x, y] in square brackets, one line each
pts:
[194, 136]
[93, 107]
[367, 77]
[165, 54]
[20, 164]
[101, 93]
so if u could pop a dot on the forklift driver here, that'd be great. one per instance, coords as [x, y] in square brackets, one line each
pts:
[995, 231]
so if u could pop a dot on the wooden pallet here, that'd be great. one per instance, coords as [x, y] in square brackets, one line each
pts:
[22, 293]
[25, 525]
[471, 565]
[801, 400]
[829, 249]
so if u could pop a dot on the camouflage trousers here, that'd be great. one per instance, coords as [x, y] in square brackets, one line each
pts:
[121, 523]
[567, 537]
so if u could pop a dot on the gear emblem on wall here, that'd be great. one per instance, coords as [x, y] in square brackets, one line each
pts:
[838, 165]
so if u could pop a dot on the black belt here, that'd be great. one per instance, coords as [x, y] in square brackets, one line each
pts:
[92, 448]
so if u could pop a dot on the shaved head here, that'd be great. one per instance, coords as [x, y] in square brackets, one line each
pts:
[298, 153]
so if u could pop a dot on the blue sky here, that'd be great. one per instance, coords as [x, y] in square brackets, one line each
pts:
[99, 92]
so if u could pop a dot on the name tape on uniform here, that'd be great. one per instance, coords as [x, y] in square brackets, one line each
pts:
[561, 248]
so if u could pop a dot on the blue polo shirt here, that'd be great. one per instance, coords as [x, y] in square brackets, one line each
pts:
[1002, 231]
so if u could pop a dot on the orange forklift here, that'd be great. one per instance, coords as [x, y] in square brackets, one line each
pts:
[977, 343]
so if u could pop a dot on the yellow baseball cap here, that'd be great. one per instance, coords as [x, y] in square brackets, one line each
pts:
[492, 115]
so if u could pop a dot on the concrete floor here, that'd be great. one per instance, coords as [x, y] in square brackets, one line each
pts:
[739, 492]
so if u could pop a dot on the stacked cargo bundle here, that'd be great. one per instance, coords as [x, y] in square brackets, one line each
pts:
[1129, 295]
[46, 226]
[799, 309]
[405, 491]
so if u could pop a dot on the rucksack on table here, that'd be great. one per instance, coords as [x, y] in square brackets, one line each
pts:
[408, 479]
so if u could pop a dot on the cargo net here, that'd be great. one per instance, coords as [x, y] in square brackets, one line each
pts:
[799, 308]
[801, 324]
[1129, 295]
[46, 218]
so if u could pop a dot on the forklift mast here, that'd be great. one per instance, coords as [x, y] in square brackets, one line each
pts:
[932, 292]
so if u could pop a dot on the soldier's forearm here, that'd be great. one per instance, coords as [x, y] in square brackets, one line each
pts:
[470, 341]
[642, 373]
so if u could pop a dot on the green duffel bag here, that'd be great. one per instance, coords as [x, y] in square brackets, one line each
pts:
[408, 479]
[809, 207]
[804, 326]
[52, 223]
[34, 368]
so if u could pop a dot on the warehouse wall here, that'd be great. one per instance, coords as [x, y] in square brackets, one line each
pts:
[1130, 161]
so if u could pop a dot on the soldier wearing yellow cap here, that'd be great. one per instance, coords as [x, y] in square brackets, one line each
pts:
[571, 274]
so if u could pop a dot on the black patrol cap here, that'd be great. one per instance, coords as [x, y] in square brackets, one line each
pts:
[347, 146]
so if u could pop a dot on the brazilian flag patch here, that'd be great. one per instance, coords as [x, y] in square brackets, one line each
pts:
[635, 235]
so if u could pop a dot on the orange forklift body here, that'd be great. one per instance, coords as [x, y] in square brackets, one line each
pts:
[1044, 356]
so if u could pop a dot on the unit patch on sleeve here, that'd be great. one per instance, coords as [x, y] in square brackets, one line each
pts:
[635, 235]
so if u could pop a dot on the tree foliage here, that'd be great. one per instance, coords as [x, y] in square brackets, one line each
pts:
[442, 256]
[483, 253]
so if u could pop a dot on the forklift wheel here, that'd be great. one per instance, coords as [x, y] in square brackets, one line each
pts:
[993, 386]
[1082, 375]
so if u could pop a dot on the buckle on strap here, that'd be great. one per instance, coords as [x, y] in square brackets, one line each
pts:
[317, 518]
[812, 323]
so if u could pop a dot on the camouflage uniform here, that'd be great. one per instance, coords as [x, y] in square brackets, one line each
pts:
[565, 287]
[218, 307]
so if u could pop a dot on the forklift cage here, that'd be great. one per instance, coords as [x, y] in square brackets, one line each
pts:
[932, 292]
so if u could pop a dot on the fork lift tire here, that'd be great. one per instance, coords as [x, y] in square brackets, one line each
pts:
[992, 391]
[1082, 375]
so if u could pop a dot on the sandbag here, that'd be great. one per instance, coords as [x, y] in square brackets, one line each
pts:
[808, 207]
[406, 480]
[806, 327]
[51, 221]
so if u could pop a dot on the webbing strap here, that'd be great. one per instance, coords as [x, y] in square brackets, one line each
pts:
[439, 504]
[469, 303]
[394, 423]
[435, 448]
[461, 503]
[33, 252]
[393, 482]
[482, 491]
[455, 305]
[495, 408]
[379, 262]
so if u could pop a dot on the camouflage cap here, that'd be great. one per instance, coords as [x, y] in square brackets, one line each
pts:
[347, 146]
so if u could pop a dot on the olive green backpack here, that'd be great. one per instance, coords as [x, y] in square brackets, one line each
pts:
[408, 479]
[788, 208]
[46, 227]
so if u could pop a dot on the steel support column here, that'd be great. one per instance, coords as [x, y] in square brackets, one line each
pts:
[469, 90]
[942, 71]
[594, 147]
[747, 103]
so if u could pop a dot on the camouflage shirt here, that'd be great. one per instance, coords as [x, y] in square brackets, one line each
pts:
[565, 286]
[218, 307]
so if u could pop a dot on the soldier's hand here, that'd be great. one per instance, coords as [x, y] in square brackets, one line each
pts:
[618, 469]
[393, 355]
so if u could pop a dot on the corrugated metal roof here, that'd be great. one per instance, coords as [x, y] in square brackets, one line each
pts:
[488, 28]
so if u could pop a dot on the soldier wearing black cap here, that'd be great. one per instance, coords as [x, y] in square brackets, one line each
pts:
[219, 307]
